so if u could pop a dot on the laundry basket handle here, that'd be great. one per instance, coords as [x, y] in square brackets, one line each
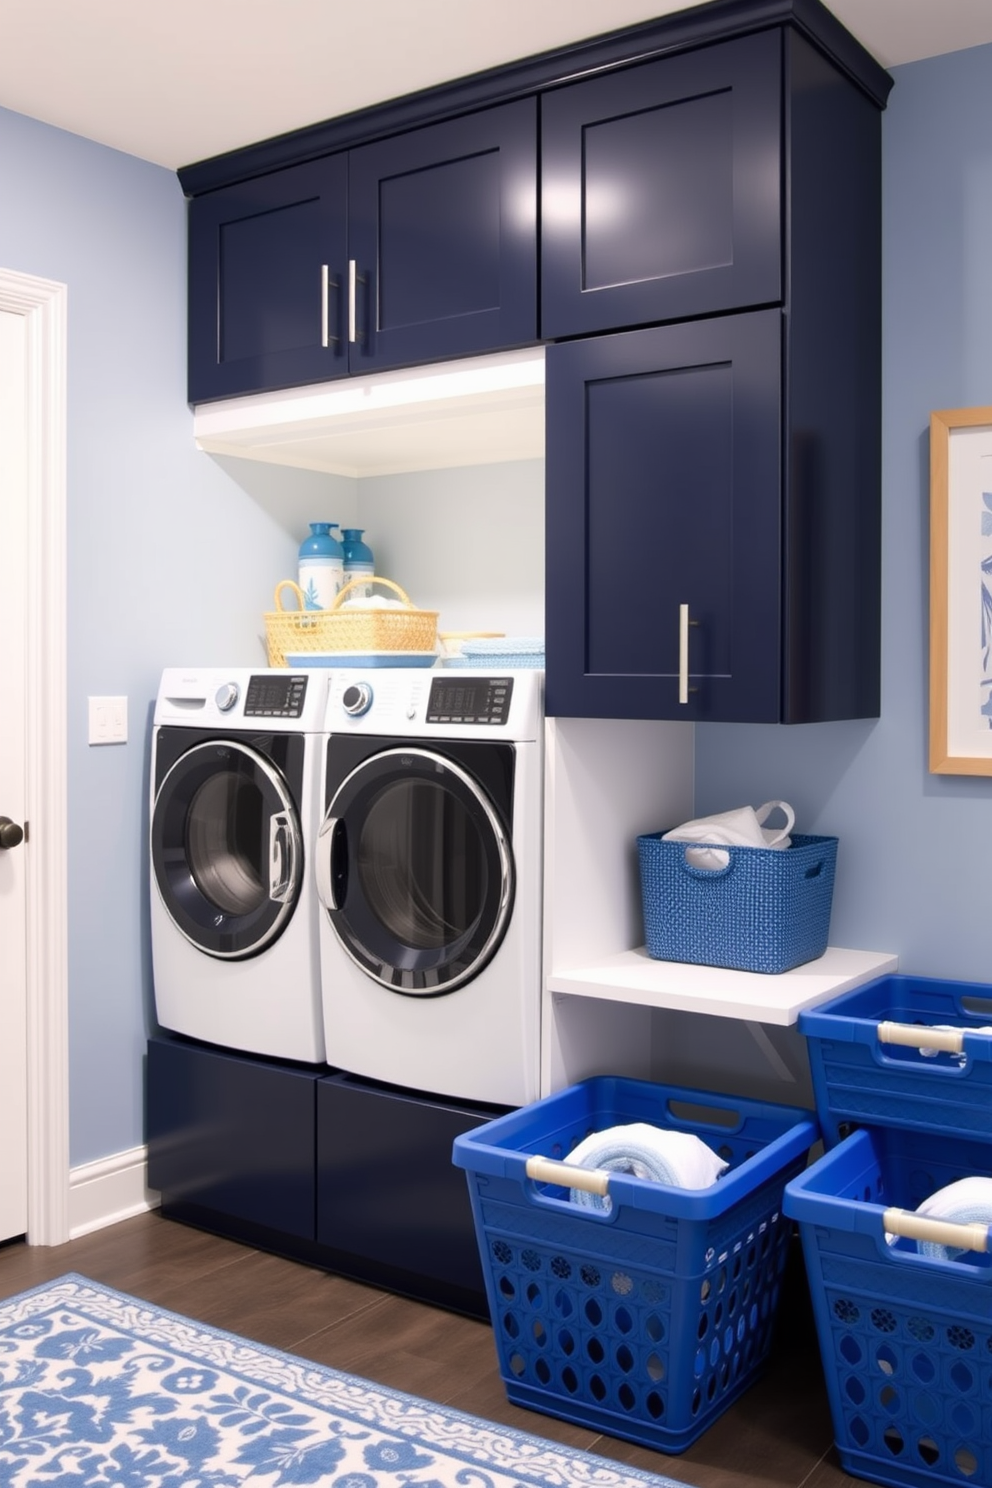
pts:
[915, 1036]
[938, 1231]
[301, 602]
[546, 1170]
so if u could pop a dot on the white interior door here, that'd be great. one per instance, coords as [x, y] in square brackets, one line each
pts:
[13, 922]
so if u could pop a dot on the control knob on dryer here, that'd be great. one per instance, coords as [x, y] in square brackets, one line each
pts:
[356, 699]
[226, 696]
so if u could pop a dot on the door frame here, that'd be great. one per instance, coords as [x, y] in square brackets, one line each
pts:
[43, 304]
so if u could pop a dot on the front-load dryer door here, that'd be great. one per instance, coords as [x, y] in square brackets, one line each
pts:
[226, 848]
[415, 870]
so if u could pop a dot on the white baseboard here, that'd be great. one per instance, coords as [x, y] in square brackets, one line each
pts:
[104, 1192]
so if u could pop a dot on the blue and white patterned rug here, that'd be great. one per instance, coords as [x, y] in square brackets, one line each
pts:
[101, 1390]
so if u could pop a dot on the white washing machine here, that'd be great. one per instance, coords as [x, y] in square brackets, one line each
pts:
[235, 805]
[429, 868]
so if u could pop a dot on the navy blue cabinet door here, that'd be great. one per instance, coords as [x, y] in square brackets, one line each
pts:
[661, 190]
[443, 234]
[664, 489]
[267, 289]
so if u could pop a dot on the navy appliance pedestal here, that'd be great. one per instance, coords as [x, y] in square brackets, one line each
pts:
[318, 1166]
[392, 1209]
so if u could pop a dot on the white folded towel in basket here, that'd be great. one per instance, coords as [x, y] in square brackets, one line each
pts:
[639, 1150]
[968, 1201]
[742, 827]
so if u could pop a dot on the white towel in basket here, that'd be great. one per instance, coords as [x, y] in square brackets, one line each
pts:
[962, 1058]
[638, 1150]
[968, 1201]
[742, 827]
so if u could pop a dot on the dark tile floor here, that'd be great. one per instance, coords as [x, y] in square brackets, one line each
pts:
[778, 1434]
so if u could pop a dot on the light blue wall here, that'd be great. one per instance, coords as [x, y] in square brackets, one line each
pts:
[468, 543]
[912, 872]
[172, 557]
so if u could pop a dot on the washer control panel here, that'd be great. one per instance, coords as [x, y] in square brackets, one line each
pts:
[275, 697]
[470, 700]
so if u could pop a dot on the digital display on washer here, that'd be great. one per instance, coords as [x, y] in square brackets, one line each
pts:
[469, 700]
[275, 697]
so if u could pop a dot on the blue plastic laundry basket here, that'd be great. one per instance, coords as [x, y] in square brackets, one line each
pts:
[906, 1339]
[645, 1322]
[861, 1076]
[767, 910]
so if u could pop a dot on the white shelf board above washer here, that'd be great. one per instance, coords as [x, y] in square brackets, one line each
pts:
[479, 411]
[632, 977]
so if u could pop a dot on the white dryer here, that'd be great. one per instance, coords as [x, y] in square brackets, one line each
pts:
[235, 772]
[429, 871]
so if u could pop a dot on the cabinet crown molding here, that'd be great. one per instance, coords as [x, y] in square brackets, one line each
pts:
[715, 21]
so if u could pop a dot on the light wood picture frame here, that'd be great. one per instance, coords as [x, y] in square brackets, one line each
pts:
[961, 591]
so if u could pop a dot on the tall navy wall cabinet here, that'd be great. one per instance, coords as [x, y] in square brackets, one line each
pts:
[726, 462]
[417, 248]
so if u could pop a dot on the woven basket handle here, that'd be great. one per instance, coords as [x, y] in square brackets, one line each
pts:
[290, 584]
[372, 579]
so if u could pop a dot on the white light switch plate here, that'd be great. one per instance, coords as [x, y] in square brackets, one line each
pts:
[108, 720]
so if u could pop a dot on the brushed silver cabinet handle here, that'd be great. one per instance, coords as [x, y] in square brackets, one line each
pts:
[354, 280]
[684, 623]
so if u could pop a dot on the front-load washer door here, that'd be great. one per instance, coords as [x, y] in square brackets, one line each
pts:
[226, 848]
[415, 870]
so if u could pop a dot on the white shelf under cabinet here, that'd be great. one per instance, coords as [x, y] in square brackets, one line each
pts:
[632, 977]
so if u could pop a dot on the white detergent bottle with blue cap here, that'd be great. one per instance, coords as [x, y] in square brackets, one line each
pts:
[321, 566]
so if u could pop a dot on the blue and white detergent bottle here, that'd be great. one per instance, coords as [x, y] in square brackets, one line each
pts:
[358, 562]
[321, 572]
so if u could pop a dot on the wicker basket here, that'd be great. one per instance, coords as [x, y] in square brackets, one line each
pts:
[292, 632]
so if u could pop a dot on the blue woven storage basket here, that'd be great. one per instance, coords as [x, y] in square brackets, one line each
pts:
[905, 1338]
[767, 910]
[514, 653]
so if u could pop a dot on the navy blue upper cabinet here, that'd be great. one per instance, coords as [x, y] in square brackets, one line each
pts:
[412, 249]
[661, 190]
[262, 310]
[443, 233]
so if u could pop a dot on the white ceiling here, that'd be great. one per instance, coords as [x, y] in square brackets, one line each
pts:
[182, 80]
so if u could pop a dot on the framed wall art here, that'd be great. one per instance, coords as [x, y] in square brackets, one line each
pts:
[961, 592]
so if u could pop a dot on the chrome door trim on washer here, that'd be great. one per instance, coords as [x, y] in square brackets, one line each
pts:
[227, 901]
[367, 889]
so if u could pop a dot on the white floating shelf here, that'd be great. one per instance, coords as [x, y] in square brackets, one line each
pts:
[632, 977]
[480, 411]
